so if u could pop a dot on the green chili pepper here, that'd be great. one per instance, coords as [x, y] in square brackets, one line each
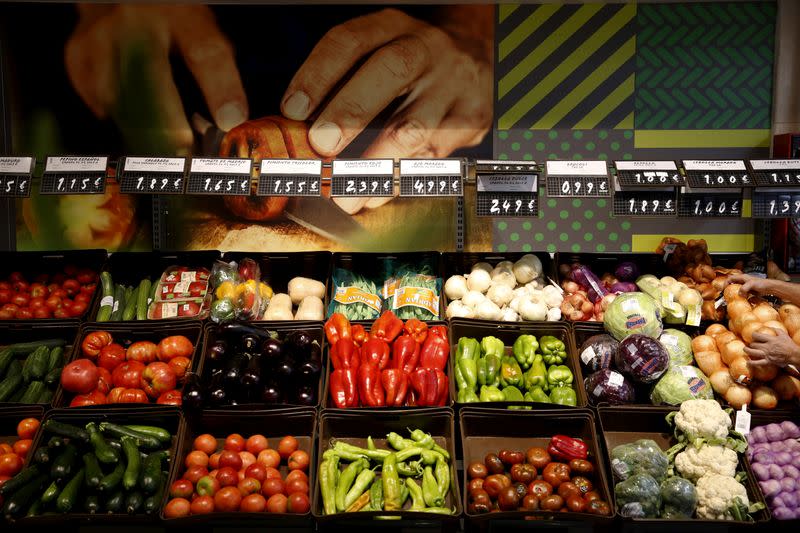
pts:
[510, 372]
[361, 485]
[346, 451]
[376, 495]
[397, 441]
[468, 348]
[429, 457]
[408, 453]
[346, 480]
[442, 474]
[425, 440]
[438, 510]
[412, 469]
[559, 376]
[467, 396]
[513, 394]
[469, 372]
[524, 350]
[417, 499]
[391, 484]
[328, 471]
[404, 494]
[371, 444]
[430, 489]
[536, 376]
[536, 394]
[492, 394]
[564, 396]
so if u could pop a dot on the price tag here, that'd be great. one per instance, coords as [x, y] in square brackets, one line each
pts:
[220, 176]
[362, 177]
[74, 175]
[648, 174]
[509, 190]
[152, 175]
[290, 177]
[776, 203]
[718, 174]
[431, 177]
[645, 204]
[711, 205]
[776, 172]
[577, 178]
[742, 424]
[15, 176]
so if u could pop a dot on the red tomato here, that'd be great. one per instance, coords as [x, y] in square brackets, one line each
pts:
[20, 286]
[27, 427]
[171, 397]
[20, 299]
[38, 290]
[194, 473]
[42, 312]
[247, 459]
[174, 346]
[10, 307]
[85, 276]
[111, 356]
[94, 342]
[77, 309]
[181, 488]
[115, 394]
[178, 508]
[287, 446]
[256, 443]
[227, 499]
[234, 442]
[128, 374]
[89, 289]
[298, 503]
[196, 458]
[61, 312]
[213, 459]
[104, 382]
[297, 474]
[142, 351]
[5, 296]
[296, 485]
[22, 447]
[80, 376]
[227, 476]
[93, 398]
[37, 303]
[71, 286]
[82, 297]
[158, 378]
[133, 396]
[5, 448]
[179, 365]
[53, 287]
[6, 314]
[256, 471]
[206, 443]
[23, 313]
[202, 505]
[198, 289]
[249, 485]
[272, 472]
[61, 293]
[53, 302]
[253, 503]
[16, 276]
[5, 286]
[272, 486]
[277, 504]
[298, 460]
[231, 459]
[70, 270]
[269, 457]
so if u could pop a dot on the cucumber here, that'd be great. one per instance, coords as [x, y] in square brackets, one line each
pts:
[104, 452]
[134, 502]
[14, 369]
[17, 396]
[130, 305]
[50, 493]
[115, 501]
[37, 363]
[24, 348]
[152, 431]
[66, 430]
[153, 502]
[91, 503]
[141, 300]
[64, 465]
[151, 472]
[107, 298]
[93, 471]
[55, 359]
[6, 356]
[20, 499]
[53, 377]
[20, 480]
[46, 396]
[119, 303]
[69, 494]
[134, 460]
[35, 389]
[143, 440]
[9, 386]
[112, 480]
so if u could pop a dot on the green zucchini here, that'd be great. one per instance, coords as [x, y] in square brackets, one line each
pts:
[18, 502]
[46, 396]
[66, 430]
[134, 460]
[91, 503]
[104, 452]
[6, 356]
[152, 431]
[35, 389]
[42, 455]
[142, 299]
[55, 359]
[69, 494]
[53, 377]
[151, 472]
[37, 363]
[130, 305]
[24, 348]
[55, 442]
[93, 471]
[9, 386]
[112, 481]
[107, 298]
[115, 502]
[51, 492]
[20, 480]
[64, 465]
[134, 502]
[153, 502]
[119, 303]
[36, 507]
[143, 440]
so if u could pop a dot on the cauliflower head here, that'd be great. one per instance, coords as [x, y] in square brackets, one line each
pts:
[694, 463]
[717, 494]
[703, 419]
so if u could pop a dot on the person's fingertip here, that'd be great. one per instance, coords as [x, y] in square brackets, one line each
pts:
[230, 115]
[296, 106]
[325, 137]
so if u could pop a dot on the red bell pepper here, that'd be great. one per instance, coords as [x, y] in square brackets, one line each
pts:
[405, 354]
[567, 448]
[369, 385]
[387, 327]
[434, 352]
[345, 354]
[376, 351]
[344, 388]
[443, 388]
[440, 331]
[395, 383]
[425, 384]
[337, 327]
[359, 334]
[417, 329]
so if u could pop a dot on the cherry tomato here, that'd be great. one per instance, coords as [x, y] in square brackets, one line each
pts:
[205, 443]
[298, 460]
[22, 447]
[253, 503]
[203, 505]
[227, 499]
[277, 504]
[27, 427]
[10, 464]
[234, 442]
[177, 508]
[298, 503]
[23, 313]
[174, 346]
[287, 446]
[94, 341]
[256, 443]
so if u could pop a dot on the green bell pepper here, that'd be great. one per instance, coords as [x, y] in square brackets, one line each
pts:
[467, 396]
[536, 394]
[559, 376]
[492, 346]
[469, 372]
[564, 396]
[489, 370]
[510, 372]
[492, 394]
[536, 375]
[554, 351]
[524, 350]
[468, 348]
[460, 381]
[513, 394]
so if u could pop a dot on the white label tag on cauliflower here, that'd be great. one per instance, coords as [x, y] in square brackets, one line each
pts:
[588, 355]
[742, 421]
[615, 379]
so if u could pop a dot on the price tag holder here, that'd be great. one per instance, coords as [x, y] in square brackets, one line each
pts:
[645, 204]
[290, 177]
[152, 175]
[507, 189]
[15, 176]
[431, 177]
[220, 176]
[362, 177]
[74, 175]
[772, 202]
[709, 203]
[717, 174]
[776, 172]
[578, 178]
[648, 174]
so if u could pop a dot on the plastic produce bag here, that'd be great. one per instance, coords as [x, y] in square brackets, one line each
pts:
[639, 496]
[413, 295]
[679, 498]
[238, 291]
[678, 345]
[679, 384]
[354, 296]
[642, 456]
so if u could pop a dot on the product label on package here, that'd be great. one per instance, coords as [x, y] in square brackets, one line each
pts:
[190, 276]
[671, 340]
[615, 379]
[588, 355]
[107, 300]
[354, 295]
[418, 297]
[169, 310]
[693, 315]
[742, 421]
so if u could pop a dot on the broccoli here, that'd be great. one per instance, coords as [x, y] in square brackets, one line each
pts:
[679, 498]
[639, 496]
[642, 456]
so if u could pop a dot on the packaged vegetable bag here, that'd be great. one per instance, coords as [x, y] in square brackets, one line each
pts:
[354, 296]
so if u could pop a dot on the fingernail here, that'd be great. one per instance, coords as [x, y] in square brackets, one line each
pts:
[296, 106]
[325, 137]
[229, 115]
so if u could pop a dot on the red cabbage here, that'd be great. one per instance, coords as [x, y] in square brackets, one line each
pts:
[642, 357]
[624, 286]
[609, 386]
[627, 271]
[598, 351]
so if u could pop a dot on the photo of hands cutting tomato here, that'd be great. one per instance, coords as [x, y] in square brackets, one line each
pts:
[376, 83]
